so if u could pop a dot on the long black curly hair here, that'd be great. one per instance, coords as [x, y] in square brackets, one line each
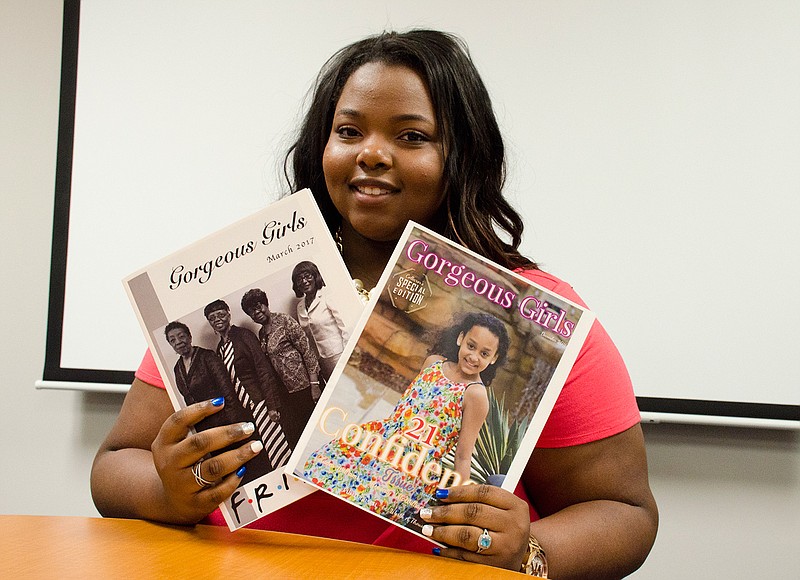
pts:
[446, 344]
[474, 208]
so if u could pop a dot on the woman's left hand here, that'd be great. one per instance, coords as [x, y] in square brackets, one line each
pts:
[461, 518]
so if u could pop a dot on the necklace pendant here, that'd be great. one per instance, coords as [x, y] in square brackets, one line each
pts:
[363, 293]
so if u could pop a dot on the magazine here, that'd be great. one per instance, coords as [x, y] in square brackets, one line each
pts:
[447, 380]
[258, 313]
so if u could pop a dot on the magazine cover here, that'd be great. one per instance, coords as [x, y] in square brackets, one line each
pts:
[258, 313]
[449, 378]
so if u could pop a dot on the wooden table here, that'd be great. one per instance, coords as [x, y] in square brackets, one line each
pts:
[76, 547]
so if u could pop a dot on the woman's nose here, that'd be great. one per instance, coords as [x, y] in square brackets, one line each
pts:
[374, 155]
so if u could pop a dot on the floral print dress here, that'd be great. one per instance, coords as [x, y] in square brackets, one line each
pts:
[426, 422]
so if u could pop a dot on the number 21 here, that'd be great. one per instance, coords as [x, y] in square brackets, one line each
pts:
[415, 431]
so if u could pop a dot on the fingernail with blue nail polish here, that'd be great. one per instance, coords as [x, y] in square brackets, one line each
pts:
[240, 471]
[437, 551]
[218, 401]
[442, 493]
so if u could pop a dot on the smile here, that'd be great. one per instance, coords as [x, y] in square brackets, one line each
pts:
[372, 191]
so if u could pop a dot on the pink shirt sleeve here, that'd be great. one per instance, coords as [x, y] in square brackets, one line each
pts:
[148, 371]
[597, 400]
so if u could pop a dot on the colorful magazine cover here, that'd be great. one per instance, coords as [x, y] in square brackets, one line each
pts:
[258, 313]
[449, 378]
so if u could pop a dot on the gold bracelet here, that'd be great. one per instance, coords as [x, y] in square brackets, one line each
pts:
[535, 562]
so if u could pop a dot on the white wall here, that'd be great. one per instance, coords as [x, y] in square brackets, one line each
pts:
[47, 438]
[729, 498]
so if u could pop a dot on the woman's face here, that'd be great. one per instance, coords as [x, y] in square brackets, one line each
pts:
[384, 159]
[220, 320]
[259, 313]
[180, 341]
[306, 282]
[477, 349]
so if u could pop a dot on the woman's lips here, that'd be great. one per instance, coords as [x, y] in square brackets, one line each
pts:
[372, 191]
[370, 187]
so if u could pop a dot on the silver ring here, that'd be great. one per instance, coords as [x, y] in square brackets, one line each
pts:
[199, 478]
[484, 541]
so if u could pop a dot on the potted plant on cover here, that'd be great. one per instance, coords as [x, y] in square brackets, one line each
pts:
[498, 441]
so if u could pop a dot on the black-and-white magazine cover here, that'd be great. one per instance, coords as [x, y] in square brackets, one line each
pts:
[449, 378]
[258, 313]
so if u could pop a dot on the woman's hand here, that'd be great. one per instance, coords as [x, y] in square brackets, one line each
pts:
[176, 451]
[143, 469]
[467, 511]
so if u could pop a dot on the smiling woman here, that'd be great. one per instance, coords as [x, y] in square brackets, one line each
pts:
[384, 159]
[400, 127]
[319, 316]
[397, 127]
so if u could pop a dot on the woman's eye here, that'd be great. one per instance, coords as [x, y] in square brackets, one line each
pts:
[347, 132]
[414, 136]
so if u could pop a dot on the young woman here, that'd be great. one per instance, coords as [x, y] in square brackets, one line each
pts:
[400, 127]
[449, 395]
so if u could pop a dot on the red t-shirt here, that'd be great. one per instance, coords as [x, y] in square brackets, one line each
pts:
[597, 401]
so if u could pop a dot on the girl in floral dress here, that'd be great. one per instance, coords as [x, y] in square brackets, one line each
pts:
[393, 466]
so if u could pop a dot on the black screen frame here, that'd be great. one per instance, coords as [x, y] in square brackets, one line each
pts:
[53, 371]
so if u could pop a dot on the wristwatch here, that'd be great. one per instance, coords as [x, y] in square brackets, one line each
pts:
[535, 562]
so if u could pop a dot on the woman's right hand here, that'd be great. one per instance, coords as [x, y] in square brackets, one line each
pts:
[176, 450]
